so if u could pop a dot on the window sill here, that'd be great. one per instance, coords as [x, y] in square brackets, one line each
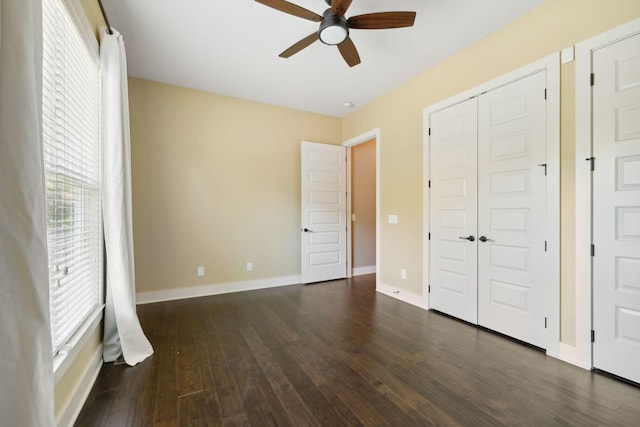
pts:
[64, 359]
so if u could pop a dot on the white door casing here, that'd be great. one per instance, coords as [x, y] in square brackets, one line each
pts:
[323, 207]
[616, 208]
[512, 209]
[453, 205]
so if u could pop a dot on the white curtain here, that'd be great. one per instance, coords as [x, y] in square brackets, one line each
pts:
[123, 333]
[26, 355]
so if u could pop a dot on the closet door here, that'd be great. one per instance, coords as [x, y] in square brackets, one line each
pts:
[453, 259]
[511, 210]
[616, 208]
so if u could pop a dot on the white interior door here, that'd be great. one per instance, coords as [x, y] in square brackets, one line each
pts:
[324, 211]
[512, 209]
[616, 208]
[453, 257]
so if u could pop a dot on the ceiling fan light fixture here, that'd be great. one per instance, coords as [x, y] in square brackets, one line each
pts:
[333, 29]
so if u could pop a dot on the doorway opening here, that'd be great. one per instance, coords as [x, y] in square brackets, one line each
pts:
[363, 204]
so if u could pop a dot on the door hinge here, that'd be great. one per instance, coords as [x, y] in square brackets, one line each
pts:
[429, 131]
[545, 94]
[429, 289]
[429, 184]
[593, 250]
[593, 162]
[545, 323]
[545, 246]
[593, 79]
[429, 236]
[593, 336]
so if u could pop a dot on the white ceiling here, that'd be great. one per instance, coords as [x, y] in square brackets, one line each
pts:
[231, 47]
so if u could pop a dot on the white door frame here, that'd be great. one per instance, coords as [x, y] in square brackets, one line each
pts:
[582, 354]
[550, 64]
[367, 136]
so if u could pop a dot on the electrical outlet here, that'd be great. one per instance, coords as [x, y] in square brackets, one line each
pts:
[249, 266]
[403, 273]
[200, 271]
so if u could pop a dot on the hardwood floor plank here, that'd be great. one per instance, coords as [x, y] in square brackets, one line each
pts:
[351, 385]
[188, 369]
[316, 373]
[340, 354]
[192, 410]
[166, 403]
[285, 391]
[280, 329]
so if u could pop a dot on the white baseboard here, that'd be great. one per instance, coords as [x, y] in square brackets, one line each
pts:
[71, 412]
[359, 271]
[217, 289]
[402, 295]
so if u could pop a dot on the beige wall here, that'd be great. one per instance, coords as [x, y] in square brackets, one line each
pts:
[94, 16]
[216, 183]
[363, 204]
[551, 27]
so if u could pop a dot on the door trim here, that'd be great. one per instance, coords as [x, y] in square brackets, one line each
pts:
[550, 64]
[582, 353]
[372, 134]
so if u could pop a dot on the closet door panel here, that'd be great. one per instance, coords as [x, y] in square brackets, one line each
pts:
[453, 259]
[511, 209]
[616, 208]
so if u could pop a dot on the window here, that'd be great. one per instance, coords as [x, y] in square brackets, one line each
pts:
[71, 136]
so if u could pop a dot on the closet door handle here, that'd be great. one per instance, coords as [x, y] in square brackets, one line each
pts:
[306, 230]
[469, 238]
[485, 239]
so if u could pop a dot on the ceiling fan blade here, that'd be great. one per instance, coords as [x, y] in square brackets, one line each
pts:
[291, 9]
[297, 47]
[349, 52]
[339, 7]
[382, 20]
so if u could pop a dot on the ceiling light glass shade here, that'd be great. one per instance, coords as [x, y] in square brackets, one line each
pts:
[333, 28]
[333, 35]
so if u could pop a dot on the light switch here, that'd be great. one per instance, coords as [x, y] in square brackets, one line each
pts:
[393, 219]
[200, 271]
[353, 217]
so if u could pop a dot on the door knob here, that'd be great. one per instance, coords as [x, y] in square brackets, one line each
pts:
[306, 230]
[469, 238]
[484, 239]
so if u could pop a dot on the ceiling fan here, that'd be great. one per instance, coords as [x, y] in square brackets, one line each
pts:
[334, 27]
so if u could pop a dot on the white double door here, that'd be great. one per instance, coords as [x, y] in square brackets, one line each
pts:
[616, 208]
[488, 210]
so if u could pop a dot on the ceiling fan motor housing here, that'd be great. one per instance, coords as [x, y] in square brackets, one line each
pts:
[333, 28]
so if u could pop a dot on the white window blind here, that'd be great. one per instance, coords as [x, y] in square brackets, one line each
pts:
[71, 133]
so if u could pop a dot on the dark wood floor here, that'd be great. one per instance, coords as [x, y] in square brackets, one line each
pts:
[337, 354]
